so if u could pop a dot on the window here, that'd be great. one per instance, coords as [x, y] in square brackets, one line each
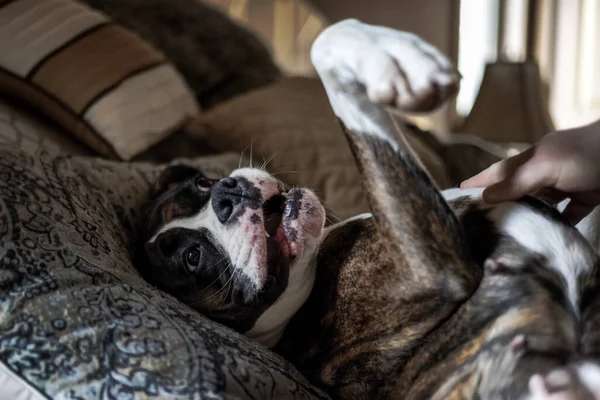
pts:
[574, 65]
[478, 36]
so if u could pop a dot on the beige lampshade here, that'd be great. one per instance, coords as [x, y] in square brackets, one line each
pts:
[509, 106]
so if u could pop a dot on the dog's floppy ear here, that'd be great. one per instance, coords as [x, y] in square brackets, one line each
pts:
[170, 176]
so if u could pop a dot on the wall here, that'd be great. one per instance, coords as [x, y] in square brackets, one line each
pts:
[434, 20]
[289, 27]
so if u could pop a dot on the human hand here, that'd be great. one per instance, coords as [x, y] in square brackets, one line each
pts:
[564, 164]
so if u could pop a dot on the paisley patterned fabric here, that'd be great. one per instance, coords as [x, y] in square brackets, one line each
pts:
[76, 319]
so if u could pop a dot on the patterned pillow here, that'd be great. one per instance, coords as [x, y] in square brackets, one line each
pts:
[76, 319]
[100, 82]
[20, 128]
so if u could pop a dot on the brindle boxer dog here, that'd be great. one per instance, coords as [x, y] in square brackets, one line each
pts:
[434, 295]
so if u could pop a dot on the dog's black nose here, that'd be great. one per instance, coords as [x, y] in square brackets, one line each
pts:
[229, 182]
[228, 196]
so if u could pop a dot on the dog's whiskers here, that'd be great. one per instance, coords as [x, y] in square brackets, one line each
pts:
[222, 272]
[242, 157]
[228, 286]
[251, 160]
[229, 292]
[268, 160]
[284, 172]
[330, 221]
[330, 215]
[230, 280]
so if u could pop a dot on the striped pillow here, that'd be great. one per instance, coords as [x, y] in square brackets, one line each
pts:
[100, 82]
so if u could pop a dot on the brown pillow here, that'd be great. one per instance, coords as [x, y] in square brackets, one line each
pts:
[23, 129]
[100, 82]
[292, 122]
[217, 56]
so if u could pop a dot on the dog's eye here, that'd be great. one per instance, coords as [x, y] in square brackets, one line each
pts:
[192, 258]
[204, 184]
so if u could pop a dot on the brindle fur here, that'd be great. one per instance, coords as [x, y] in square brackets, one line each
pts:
[403, 308]
[405, 305]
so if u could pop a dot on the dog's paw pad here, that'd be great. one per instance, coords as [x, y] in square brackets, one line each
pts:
[518, 344]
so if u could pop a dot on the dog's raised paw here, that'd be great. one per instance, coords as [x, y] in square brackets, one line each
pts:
[397, 68]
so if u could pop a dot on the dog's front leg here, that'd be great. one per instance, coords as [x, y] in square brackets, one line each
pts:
[365, 68]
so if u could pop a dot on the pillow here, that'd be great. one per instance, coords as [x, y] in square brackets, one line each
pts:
[77, 320]
[21, 128]
[100, 82]
[292, 122]
[217, 57]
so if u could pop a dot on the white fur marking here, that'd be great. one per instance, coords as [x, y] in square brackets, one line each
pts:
[361, 64]
[589, 373]
[454, 193]
[270, 326]
[330, 228]
[537, 233]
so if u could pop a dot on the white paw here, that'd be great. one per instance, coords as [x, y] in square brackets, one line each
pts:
[580, 381]
[397, 68]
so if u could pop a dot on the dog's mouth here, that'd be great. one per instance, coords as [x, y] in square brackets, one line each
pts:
[277, 245]
[289, 219]
[273, 213]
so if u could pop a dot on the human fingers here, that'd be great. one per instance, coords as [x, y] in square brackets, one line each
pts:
[526, 179]
[498, 171]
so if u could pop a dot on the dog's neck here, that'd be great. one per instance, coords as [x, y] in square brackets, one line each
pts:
[269, 327]
[272, 323]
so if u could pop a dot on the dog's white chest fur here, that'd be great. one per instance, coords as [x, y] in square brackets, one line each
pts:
[271, 324]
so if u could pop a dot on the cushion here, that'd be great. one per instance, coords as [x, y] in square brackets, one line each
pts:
[178, 145]
[20, 127]
[100, 82]
[218, 58]
[77, 320]
[291, 124]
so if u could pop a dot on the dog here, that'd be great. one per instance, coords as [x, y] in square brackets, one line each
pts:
[433, 295]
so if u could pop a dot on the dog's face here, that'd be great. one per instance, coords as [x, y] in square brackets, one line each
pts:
[226, 247]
